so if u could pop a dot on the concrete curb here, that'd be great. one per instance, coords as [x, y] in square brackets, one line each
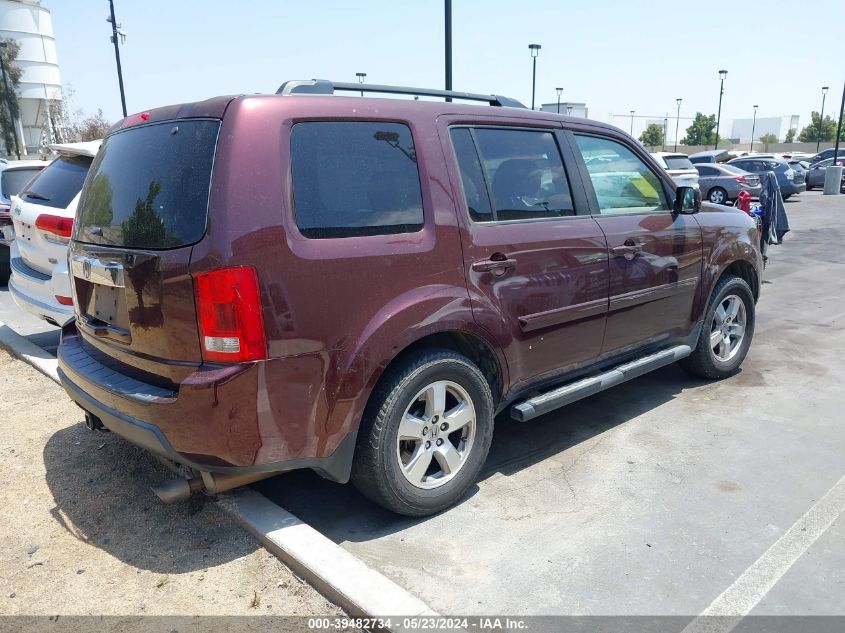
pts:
[340, 576]
[29, 352]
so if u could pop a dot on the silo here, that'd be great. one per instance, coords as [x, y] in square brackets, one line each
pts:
[31, 26]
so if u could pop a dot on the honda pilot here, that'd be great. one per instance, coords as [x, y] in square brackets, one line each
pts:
[359, 286]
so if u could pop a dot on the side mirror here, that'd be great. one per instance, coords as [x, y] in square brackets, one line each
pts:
[687, 200]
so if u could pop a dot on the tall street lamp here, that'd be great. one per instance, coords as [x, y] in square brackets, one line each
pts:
[722, 75]
[559, 92]
[753, 126]
[114, 33]
[677, 122]
[632, 122]
[535, 50]
[665, 124]
[361, 77]
[9, 101]
[821, 118]
[839, 128]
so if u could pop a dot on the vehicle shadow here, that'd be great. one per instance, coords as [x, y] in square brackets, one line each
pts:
[100, 486]
[342, 514]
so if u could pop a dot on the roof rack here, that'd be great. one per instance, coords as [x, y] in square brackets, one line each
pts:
[325, 87]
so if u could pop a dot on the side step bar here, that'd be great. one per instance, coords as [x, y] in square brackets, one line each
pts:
[551, 400]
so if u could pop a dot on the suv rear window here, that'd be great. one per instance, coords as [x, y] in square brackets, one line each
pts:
[678, 162]
[355, 178]
[12, 181]
[149, 186]
[57, 185]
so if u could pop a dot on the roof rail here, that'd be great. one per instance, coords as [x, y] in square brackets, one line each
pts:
[325, 87]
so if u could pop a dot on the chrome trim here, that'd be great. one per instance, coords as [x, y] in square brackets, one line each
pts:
[97, 271]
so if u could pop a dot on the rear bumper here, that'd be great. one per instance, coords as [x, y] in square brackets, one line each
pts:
[183, 426]
[36, 292]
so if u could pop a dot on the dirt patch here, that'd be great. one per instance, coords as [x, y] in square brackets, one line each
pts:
[81, 533]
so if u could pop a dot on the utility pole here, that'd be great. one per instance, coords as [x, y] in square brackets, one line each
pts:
[448, 18]
[559, 92]
[632, 122]
[821, 119]
[722, 75]
[9, 102]
[839, 128]
[753, 127]
[677, 122]
[114, 35]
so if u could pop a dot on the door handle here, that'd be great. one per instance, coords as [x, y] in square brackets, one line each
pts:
[497, 262]
[628, 249]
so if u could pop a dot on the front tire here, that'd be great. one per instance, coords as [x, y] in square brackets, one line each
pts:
[425, 434]
[727, 331]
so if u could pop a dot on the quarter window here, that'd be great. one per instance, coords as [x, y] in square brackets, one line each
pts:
[623, 183]
[355, 178]
[512, 174]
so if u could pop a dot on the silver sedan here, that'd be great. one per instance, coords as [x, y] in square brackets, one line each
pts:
[720, 183]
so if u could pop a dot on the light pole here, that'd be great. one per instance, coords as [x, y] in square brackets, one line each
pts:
[448, 19]
[114, 34]
[568, 110]
[535, 50]
[753, 126]
[839, 127]
[665, 124]
[559, 92]
[632, 122]
[9, 101]
[361, 77]
[821, 119]
[677, 122]
[722, 75]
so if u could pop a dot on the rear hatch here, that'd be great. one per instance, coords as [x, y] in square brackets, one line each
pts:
[143, 207]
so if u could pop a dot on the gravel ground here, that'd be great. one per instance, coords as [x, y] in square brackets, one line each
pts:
[82, 534]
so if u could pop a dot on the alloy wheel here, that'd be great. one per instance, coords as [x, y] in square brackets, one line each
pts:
[727, 330]
[436, 434]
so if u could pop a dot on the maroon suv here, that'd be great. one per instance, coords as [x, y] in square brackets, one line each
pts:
[359, 285]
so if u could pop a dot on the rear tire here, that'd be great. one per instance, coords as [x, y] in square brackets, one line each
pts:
[727, 331]
[444, 406]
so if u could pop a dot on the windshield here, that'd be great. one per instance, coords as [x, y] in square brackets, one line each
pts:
[678, 162]
[149, 186]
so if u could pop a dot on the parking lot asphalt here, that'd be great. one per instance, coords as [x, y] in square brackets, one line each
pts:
[666, 495]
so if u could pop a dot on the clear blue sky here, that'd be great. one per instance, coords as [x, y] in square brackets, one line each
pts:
[615, 55]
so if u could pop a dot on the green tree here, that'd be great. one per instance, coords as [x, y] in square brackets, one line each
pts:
[144, 227]
[790, 136]
[810, 134]
[768, 139]
[652, 136]
[9, 103]
[702, 131]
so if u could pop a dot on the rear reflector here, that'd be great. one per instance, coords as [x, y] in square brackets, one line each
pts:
[229, 314]
[65, 301]
[54, 225]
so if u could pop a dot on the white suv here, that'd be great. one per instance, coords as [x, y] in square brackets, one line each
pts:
[43, 215]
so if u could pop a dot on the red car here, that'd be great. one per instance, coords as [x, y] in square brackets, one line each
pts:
[359, 285]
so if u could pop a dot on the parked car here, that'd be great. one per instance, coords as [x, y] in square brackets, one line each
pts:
[13, 177]
[43, 216]
[721, 183]
[678, 166]
[825, 154]
[789, 180]
[816, 174]
[359, 286]
[711, 156]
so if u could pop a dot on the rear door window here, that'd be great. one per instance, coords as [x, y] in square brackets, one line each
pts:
[355, 178]
[149, 186]
[59, 183]
[12, 181]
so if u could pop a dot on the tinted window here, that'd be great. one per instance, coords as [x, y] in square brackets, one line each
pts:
[149, 186]
[734, 169]
[707, 171]
[678, 162]
[12, 181]
[472, 178]
[353, 178]
[57, 185]
[622, 181]
[525, 174]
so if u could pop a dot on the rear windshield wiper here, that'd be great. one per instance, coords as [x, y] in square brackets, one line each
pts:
[34, 194]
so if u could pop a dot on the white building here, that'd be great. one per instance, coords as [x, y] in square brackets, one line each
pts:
[777, 125]
[572, 108]
[31, 26]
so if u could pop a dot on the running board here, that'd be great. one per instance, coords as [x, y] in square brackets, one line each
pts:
[551, 400]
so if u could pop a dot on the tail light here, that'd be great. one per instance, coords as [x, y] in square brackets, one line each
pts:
[56, 228]
[229, 314]
[65, 301]
[742, 179]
